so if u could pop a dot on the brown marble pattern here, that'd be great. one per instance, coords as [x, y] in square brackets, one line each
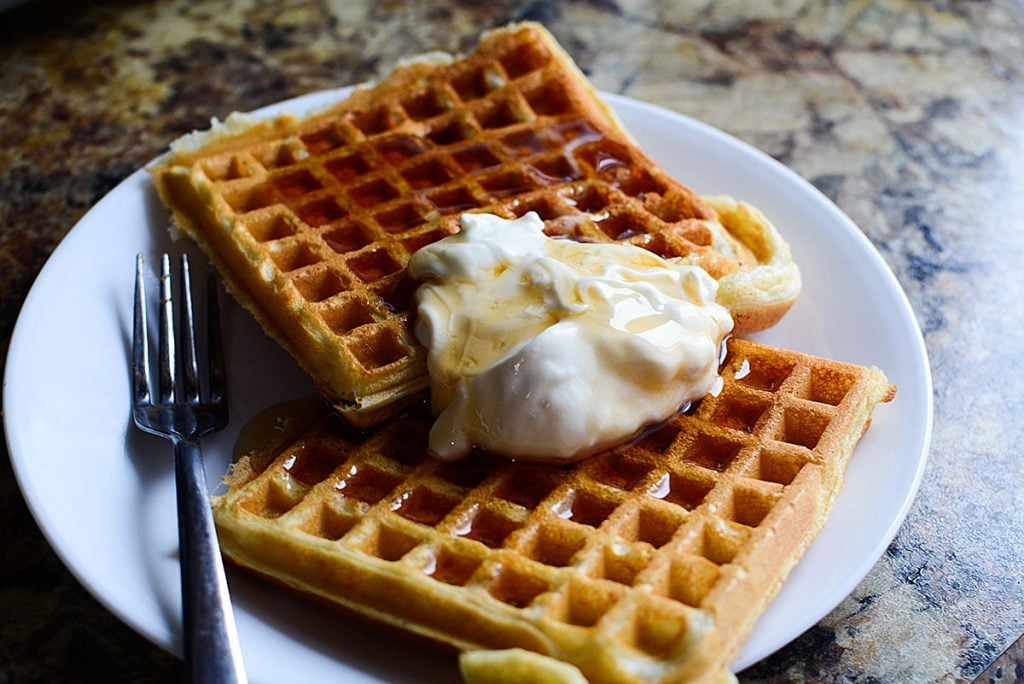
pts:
[1008, 667]
[909, 115]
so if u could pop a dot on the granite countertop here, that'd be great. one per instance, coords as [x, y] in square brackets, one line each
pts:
[909, 115]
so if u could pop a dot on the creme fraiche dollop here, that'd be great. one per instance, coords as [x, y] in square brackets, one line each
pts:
[550, 350]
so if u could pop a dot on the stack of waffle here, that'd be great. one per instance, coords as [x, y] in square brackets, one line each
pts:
[650, 561]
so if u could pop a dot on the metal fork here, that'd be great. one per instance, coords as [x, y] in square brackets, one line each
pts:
[212, 652]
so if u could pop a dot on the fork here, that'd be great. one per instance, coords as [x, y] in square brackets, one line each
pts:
[212, 652]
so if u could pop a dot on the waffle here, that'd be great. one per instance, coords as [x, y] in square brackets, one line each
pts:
[311, 222]
[650, 561]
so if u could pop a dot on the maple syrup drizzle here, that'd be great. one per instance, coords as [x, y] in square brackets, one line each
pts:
[272, 428]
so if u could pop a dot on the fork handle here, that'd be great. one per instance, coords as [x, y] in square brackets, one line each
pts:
[212, 652]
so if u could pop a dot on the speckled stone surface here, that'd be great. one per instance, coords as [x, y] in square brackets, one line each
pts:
[909, 115]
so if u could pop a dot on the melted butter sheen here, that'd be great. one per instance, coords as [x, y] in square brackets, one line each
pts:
[550, 350]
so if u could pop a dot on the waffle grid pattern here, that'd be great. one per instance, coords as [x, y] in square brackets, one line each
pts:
[335, 209]
[634, 548]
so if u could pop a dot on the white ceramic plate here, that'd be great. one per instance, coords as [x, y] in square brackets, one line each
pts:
[103, 493]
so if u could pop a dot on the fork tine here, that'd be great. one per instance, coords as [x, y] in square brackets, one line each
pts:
[166, 333]
[190, 372]
[140, 340]
[214, 342]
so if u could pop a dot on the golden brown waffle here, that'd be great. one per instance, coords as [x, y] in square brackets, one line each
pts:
[312, 222]
[649, 561]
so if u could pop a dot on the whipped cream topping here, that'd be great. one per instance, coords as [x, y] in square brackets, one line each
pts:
[549, 350]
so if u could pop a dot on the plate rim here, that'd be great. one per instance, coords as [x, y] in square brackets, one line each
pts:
[311, 102]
